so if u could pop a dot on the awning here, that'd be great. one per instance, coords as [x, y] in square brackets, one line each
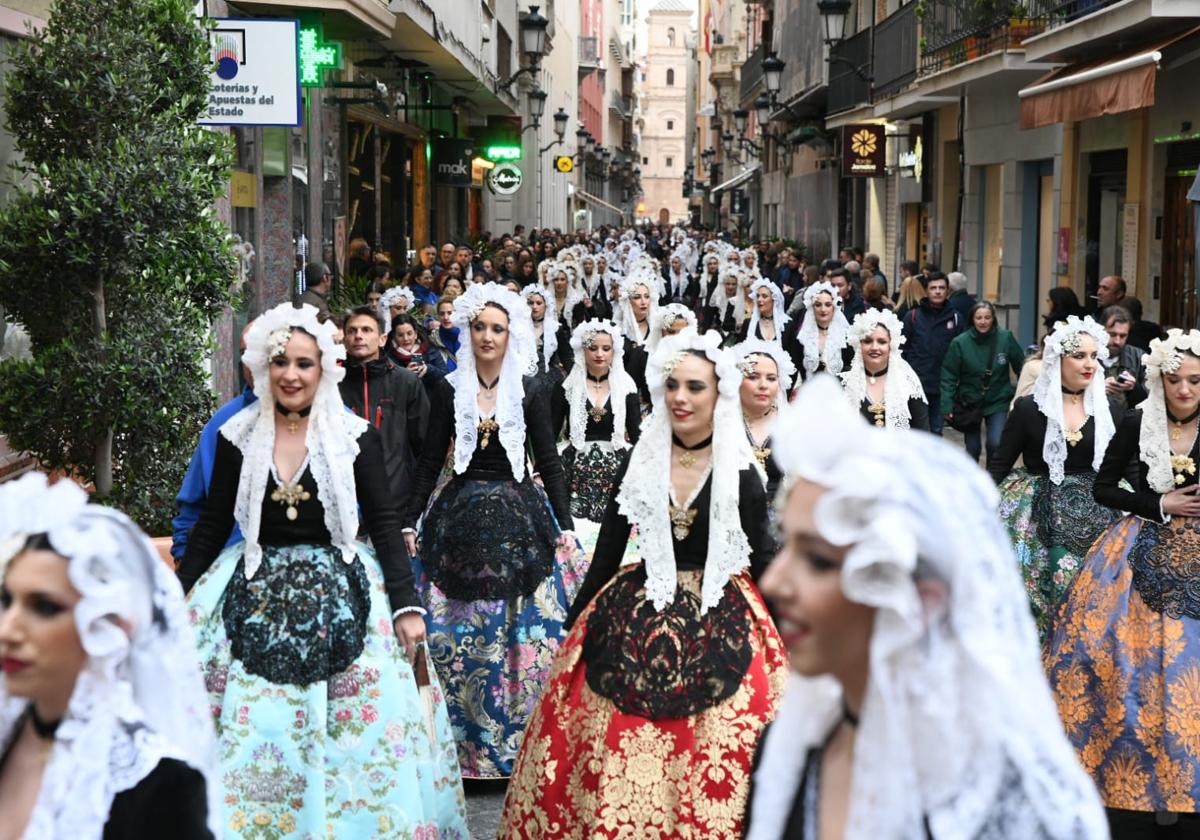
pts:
[737, 180]
[591, 199]
[1093, 89]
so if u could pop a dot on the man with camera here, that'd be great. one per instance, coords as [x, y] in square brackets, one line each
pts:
[1124, 371]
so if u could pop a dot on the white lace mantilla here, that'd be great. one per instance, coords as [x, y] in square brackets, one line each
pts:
[140, 697]
[901, 383]
[836, 337]
[718, 299]
[647, 484]
[620, 383]
[783, 363]
[520, 360]
[331, 438]
[779, 313]
[958, 714]
[1165, 356]
[1048, 395]
[626, 320]
[549, 325]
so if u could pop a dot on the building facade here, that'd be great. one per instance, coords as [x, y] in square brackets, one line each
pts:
[664, 106]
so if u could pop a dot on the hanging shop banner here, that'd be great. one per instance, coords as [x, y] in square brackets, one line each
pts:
[863, 151]
[505, 179]
[256, 73]
[451, 160]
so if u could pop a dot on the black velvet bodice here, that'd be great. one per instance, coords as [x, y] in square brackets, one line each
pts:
[1025, 435]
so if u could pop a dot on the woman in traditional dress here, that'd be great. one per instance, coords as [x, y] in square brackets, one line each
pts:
[488, 574]
[726, 308]
[769, 319]
[1124, 657]
[636, 310]
[882, 386]
[673, 665]
[1061, 432]
[767, 376]
[669, 320]
[600, 401]
[566, 293]
[824, 335]
[307, 637]
[104, 723]
[396, 301]
[898, 598]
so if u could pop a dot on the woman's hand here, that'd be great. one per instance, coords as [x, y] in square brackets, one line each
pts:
[410, 543]
[418, 369]
[410, 630]
[1182, 502]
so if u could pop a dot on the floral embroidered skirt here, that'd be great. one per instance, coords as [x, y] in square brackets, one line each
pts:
[1052, 528]
[493, 654]
[1126, 675]
[603, 758]
[321, 727]
[591, 473]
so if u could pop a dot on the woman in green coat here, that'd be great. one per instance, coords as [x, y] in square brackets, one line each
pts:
[966, 379]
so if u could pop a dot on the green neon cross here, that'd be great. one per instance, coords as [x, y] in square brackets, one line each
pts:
[316, 56]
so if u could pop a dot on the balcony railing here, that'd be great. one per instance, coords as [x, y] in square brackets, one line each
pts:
[589, 52]
[1052, 13]
[956, 31]
[623, 105]
[896, 50]
[846, 87]
[752, 72]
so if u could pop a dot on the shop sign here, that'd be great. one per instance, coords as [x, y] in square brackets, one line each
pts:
[500, 153]
[452, 159]
[564, 163]
[505, 179]
[256, 74]
[863, 151]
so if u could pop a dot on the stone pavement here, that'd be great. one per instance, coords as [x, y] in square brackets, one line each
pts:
[484, 801]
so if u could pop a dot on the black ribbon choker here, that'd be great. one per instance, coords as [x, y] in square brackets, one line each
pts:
[1187, 419]
[597, 379]
[44, 729]
[304, 412]
[675, 440]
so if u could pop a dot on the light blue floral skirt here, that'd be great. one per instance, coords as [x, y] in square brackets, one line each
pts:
[322, 730]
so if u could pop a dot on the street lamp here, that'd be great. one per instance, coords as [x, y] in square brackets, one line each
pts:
[834, 13]
[533, 45]
[537, 104]
[581, 137]
[560, 123]
[740, 116]
[772, 67]
[762, 109]
[533, 34]
[591, 145]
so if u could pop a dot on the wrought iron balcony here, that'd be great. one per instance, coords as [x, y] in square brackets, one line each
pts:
[752, 74]
[1052, 13]
[623, 105]
[895, 50]
[957, 31]
[846, 87]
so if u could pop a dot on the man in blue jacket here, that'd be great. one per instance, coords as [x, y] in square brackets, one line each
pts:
[194, 492]
[929, 327]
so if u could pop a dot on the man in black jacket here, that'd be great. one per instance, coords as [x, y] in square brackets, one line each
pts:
[389, 397]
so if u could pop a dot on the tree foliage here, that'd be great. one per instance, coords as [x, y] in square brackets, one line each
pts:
[116, 207]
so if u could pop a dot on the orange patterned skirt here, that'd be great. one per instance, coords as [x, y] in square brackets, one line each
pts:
[586, 769]
[1124, 664]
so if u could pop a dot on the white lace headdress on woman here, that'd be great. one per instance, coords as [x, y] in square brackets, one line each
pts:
[575, 292]
[520, 360]
[779, 314]
[593, 283]
[902, 382]
[647, 485]
[957, 723]
[1164, 357]
[620, 383]
[677, 281]
[745, 352]
[140, 697]
[549, 323]
[666, 316]
[331, 439]
[1048, 393]
[401, 296]
[719, 299]
[836, 337]
[626, 320]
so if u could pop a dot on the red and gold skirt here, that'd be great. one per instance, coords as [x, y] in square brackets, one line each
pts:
[589, 769]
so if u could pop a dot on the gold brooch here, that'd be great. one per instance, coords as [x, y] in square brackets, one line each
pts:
[290, 495]
[762, 455]
[878, 412]
[681, 521]
[597, 413]
[486, 427]
[1182, 465]
[1073, 436]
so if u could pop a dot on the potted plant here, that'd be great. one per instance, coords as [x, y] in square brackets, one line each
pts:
[111, 254]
